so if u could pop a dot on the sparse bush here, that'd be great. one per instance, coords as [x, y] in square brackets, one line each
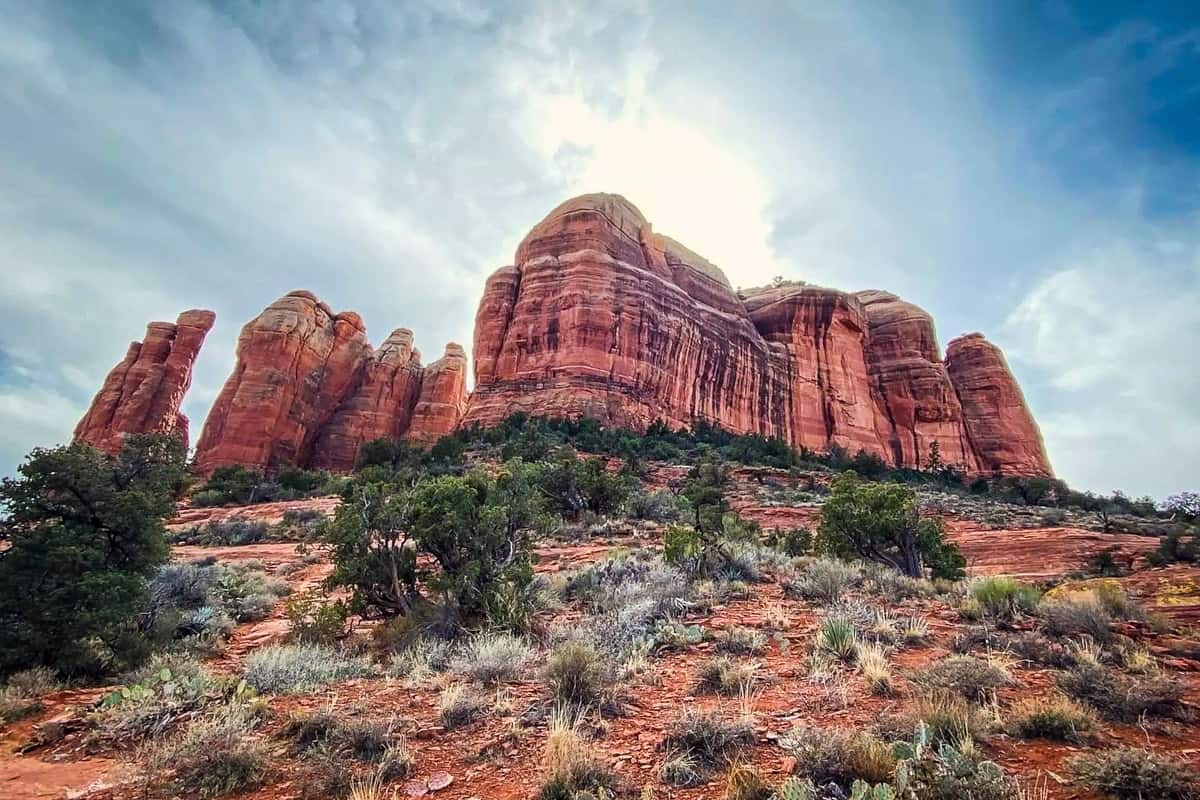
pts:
[660, 506]
[1128, 773]
[824, 581]
[234, 531]
[459, 705]
[366, 740]
[1121, 697]
[1071, 618]
[423, 658]
[1055, 717]
[741, 640]
[296, 668]
[214, 756]
[19, 696]
[314, 620]
[309, 729]
[165, 690]
[1003, 599]
[949, 717]
[973, 678]
[576, 674]
[709, 738]
[493, 657]
[836, 755]
[725, 676]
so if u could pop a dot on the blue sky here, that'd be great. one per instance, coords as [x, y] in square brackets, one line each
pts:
[1029, 170]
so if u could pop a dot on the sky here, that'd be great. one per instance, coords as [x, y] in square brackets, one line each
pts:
[1028, 170]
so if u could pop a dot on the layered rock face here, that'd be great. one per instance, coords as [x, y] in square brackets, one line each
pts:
[443, 397]
[1002, 432]
[308, 390]
[381, 405]
[143, 393]
[599, 316]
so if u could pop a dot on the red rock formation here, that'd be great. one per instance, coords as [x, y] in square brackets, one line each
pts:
[296, 362]
[380, 406]
[1000, 428]
[443, 397]
[916, 402]
[601, 317]
[143, 393]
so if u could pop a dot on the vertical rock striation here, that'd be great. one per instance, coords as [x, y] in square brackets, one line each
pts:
[296, 362]
[380, 406]
[443, 397]
[601, 317]
[143, 393]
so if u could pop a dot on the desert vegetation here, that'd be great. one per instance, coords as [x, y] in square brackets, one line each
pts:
[625, 612]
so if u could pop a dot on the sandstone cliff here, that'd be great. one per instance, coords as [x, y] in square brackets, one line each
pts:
[599, 316]
[309, 390]
[143, 393]
[1001, 430]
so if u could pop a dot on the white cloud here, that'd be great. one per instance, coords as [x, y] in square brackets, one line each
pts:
[1114, 334]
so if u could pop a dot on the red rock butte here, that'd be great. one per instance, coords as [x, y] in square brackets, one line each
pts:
[143, 393]
[599, 316]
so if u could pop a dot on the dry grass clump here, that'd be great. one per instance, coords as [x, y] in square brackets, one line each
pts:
[214, 756]
[570, 766]
[493, 657]
[1128, 773]
[725, 676]
[1054, 717]
[824, 581]
[460, 705]
[875, 668]
[578, 675]
[702, 741]
[1086, 617]
[744, 783]
[296, 668]
[950, 719]
[1122, 697]
[973, 678]
[20, 693]
[741, 640]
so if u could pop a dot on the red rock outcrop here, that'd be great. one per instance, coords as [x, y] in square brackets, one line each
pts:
[296, 362]
[1000, 428]
[309, 391]
[601, 317]
[380, 406]
[443, 397]
[916, 402]
[143, 393]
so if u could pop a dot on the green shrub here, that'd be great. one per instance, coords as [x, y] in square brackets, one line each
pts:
[232, 484]
[296, 668]
[1128, 773]
[881, 522]
[85, 533]
[1003, 599]
[314, 620]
